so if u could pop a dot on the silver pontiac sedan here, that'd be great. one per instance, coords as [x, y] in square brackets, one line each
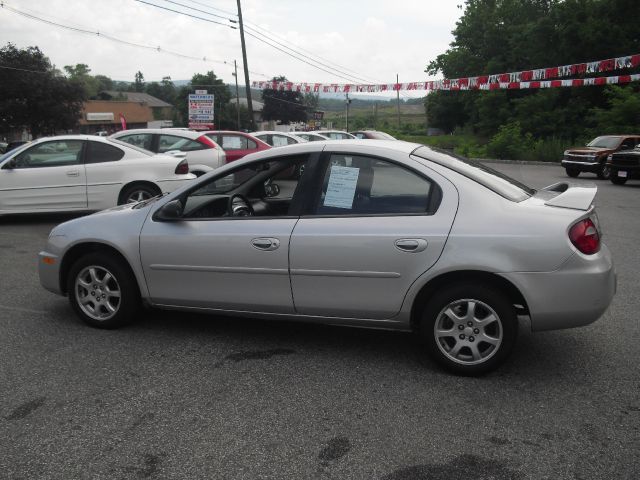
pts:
[389, 235]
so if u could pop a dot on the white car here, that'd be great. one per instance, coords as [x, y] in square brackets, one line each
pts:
[336, 135]
[312, 136]
[278, 139]
[203, 154]
[84, 172]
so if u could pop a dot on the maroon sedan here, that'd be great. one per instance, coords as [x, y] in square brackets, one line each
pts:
[236, 144]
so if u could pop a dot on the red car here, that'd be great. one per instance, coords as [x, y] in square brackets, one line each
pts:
[236, 144]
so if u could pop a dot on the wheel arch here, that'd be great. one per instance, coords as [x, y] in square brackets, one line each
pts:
[145, 183]
[467, 276]
[81, 249]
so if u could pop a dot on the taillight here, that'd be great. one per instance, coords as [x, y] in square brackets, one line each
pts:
[584, 235]
[204, 140]
[182, 168]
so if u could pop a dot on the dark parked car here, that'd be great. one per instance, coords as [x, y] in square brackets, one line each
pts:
[372, 135]
[624, 165]
[593, 157]
[12, 145]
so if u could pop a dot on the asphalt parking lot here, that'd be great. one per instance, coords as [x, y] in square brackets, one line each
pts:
[178, 396]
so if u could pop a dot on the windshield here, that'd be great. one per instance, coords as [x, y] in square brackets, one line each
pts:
[498, 182]
[604, 142]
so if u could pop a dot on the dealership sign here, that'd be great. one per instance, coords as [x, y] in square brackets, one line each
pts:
[201, 111]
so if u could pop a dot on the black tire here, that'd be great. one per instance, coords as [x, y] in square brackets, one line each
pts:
[492, 341]
[616, 180]
[572, 172]
[604, 173]
[124, 306]
[137, 192]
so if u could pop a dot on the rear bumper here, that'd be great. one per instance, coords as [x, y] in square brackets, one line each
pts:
[576, 294]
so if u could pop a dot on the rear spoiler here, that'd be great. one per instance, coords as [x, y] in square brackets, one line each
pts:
[575, 196]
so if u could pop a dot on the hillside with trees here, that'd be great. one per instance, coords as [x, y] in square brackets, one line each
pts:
[497, 36]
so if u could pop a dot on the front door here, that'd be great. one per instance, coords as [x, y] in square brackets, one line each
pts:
[48, 176]
[374, 229]
[229, 249]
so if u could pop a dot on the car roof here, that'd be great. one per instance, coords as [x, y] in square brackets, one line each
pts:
[192, 134]
[272, 132]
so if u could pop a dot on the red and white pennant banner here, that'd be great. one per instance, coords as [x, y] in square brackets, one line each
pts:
[527, 79]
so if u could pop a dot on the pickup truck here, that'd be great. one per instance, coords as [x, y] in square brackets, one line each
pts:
[593, 157]
[624, 165]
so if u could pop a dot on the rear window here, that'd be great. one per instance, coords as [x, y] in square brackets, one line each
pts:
[500, 183]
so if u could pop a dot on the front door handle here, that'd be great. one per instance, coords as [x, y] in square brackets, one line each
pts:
[73, 173]
[266, 244]
[412, 245]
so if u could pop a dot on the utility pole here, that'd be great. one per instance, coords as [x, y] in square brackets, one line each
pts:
[347, 122]
[246, 68]
[235, 66]
[397, 97]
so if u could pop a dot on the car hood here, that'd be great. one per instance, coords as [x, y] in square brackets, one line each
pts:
[588, 150]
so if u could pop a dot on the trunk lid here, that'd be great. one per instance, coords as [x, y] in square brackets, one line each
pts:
[568, 195]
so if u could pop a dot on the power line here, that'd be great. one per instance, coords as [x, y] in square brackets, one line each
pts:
[197, 10]
[106, 36]
[26, 70]
[186, 14]
[214, 8]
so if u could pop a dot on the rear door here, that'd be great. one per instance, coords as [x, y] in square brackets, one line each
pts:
[47, 176]
[375, 226]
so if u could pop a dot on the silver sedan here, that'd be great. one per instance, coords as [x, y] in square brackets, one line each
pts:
[384, 234]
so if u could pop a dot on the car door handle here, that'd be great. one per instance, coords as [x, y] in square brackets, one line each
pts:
[412, 245]
[266, 244]
[73, 173]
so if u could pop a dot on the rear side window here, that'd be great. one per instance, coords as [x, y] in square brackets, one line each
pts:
[140, 140]
[101, 152]
[498, 182]
[237, 142]
[360, 185]
[167, 143]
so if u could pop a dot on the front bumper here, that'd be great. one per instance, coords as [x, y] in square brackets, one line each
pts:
[576, 294]
[583, 166]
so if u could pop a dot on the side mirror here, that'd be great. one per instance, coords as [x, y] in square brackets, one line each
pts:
[170, 211]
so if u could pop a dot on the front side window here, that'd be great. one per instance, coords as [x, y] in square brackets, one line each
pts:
[140, 140]
[51, 154]
[101, 152]
[168, 143]
[360, 185]
[267, 188]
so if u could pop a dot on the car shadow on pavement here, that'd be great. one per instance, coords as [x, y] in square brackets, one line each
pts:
[39, 218]
[548, 358]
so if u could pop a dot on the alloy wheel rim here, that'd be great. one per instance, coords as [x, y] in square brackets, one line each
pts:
[138, 196]
[468, 332]
[98, 293]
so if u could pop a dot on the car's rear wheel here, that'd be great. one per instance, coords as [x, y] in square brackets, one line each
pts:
[102, 291]
[616, 180]
[469, 329]
[572, 172]
[138, 193]
[604, 173]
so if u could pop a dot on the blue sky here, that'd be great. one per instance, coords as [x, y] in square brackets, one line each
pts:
[371, 40]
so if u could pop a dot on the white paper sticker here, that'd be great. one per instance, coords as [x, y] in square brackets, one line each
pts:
[342, 187]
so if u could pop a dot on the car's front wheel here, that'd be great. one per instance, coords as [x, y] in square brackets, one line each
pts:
[616, 180]
[469, 329]
[605, 172]
[103, 291]
[572, 172]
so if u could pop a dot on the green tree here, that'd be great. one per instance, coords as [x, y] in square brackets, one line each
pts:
[80, 73]
[283, 106]
[225, 113]
[138, 84]
[165, 90]
[34, 95]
